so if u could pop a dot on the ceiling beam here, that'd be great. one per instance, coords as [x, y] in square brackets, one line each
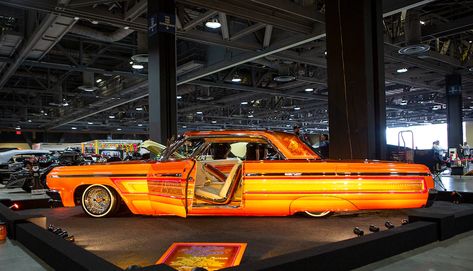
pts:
[272, 92]
[391, 7]
[199, 20]
[308, 13]
[248, 30]
[256, 13]
[276, 47]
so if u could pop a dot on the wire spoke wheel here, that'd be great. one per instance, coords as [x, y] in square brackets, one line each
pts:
[99, 201]
[318, 214]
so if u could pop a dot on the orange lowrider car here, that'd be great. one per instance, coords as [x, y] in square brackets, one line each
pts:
[246, 173]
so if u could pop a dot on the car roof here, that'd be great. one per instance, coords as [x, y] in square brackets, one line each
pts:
[289, 144]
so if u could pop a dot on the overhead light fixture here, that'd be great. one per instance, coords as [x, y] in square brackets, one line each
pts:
[309, 89]
[119, 129]
[214, 121]
[18, 128]
[178, 97]
[94, 22]
[29, 120]
[414, 49]
[111, 117]
[65, 103]
[422, 22]
[184, 127]
[139, 124]
[325, 53]
[137, 66]
[45, 113]
[126, 27]
[236, 78]
[139, 108]
[199, 112]
[244, 103]
[131, 62]
[402, 70]
[297, 108]
[98, 80]
[90, 123]
[284, 78]
[251, 116]
[213, 23]
[76, 18]
[74, 128]
[87, 88]
[403, 102]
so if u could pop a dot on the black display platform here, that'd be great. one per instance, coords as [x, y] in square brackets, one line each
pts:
[439, 222]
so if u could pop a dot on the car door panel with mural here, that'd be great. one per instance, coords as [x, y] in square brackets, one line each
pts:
[167, 183]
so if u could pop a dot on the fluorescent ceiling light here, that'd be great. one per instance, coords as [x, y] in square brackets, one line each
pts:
[139, 124]
[29, 120]
[18, 128]
[297, 108]
[250, 116]
[244, 103]
[184, 126]
[126, 27]
[422, 22]
[90, 123]
[139, 108]
[401, 70]
[95, 22]
[137, 66]
[74, 128]
[119, 129]
[179, 97]
[214, 121]
[214, 24]
[199, 112]
[309, 89]
[111, 117]
[98, 80]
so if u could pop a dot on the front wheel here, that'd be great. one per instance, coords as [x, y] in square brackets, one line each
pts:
[318, 214]
[100, 201]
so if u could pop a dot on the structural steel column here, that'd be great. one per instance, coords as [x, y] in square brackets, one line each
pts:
[162, 70]
[453, 84]
[357, 109]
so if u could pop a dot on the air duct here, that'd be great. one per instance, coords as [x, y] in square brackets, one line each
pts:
[412, 32]
[115, 36]
[88, 82]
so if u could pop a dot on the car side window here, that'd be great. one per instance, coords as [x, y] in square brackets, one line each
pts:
[243, 150]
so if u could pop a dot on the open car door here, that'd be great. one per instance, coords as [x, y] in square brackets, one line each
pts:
[167, 187]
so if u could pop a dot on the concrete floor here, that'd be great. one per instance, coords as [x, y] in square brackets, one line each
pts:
[455, 254]
[129, 239]
[13, 256]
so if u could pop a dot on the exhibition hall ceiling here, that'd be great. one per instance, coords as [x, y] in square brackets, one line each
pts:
[81, 65]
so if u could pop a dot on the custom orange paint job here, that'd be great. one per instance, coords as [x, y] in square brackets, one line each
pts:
[301, 181]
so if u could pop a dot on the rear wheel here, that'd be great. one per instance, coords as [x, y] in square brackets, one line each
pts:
[100, 201]
[318, 214]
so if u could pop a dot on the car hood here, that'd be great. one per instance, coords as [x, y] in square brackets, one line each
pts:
[153, 147]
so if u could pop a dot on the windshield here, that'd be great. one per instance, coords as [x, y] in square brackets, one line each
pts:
[182, 149]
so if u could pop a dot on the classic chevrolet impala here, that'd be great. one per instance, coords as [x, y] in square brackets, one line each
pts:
[242, 173]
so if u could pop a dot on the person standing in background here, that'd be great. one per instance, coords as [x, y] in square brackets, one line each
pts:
[465, 149]
[323, 145]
